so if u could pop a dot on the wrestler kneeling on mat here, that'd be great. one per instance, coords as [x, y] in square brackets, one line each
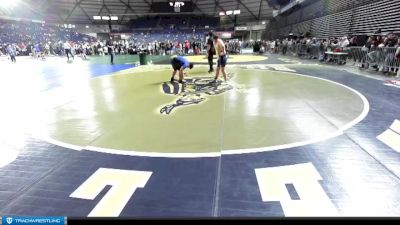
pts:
[180, 63]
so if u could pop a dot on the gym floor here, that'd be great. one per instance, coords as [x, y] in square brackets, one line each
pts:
[283, 137]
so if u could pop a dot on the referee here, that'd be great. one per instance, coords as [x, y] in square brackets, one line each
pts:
[210, 51]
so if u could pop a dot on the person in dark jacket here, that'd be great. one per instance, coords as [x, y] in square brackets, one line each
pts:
[110, 47]
[210, 51]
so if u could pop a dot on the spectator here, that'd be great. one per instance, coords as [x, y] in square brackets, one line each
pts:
[67, 49]
[11, 52]
[397, 55]
[344, 42]
[111, 51]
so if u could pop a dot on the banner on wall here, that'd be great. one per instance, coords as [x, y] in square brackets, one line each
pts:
[242, 28]
[224, 35]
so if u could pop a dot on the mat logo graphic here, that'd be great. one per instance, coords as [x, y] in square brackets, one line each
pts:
[9, 220]
[193, 92]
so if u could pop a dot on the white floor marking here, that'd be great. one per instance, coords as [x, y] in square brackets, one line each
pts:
[313, 201]
[391, 137]
[124, 183]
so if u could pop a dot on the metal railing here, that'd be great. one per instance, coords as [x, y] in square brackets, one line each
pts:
[379, 59]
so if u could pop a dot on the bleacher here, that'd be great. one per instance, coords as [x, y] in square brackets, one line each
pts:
[326, 18]
[203, 22]
[175, 22]
[23, 32]
[166, 35]
[144, 22]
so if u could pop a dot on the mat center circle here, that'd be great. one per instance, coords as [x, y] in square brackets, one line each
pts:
[144, 112]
